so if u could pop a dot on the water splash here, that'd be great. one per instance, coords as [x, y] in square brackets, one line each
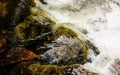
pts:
[101, 18]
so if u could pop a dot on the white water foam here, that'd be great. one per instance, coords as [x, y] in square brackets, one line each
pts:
[101, 18]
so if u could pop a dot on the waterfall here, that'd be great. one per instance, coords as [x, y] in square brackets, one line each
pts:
[101, 19]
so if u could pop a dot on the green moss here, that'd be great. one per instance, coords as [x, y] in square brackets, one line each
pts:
[34, 25]
[61, 30]
[85, 49]
[27, 10]
[35, 22]
[41, 14]
[39, 69]
[53, 69]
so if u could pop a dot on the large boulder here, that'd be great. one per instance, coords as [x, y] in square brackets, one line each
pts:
[37, 23]
[66, 48]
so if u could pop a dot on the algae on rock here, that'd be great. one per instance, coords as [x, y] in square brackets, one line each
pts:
[66, 48]
[39, 69]
[37, 23]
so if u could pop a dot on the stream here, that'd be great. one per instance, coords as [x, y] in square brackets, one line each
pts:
[101, 19]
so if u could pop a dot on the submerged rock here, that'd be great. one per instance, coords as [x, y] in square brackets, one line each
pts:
[43, 2]
[115, 67]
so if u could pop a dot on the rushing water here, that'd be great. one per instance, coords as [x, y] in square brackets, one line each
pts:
[101, 18]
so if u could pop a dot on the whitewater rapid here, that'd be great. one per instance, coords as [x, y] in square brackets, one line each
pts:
[101, 19]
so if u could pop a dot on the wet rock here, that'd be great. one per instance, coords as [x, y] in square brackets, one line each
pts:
[93, 47]
[35, 24]
[62, 30]
[15, 55]
[19, 12]
[38, 44]
[38, 69]
[77, 69]
[31, 31]
[66, 48]
[43, 2]
[13, 12]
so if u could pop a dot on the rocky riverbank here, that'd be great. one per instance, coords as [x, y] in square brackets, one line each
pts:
[32, 42]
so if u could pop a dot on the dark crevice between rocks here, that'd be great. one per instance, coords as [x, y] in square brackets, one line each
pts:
[6, 69]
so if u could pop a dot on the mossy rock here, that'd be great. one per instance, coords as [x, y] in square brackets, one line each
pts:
[39, 69]
[66, 49]
[36, 24]
[16, 11]
[61, 30]
[70, 30]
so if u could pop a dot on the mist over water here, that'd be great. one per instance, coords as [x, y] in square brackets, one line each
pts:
[101, 19]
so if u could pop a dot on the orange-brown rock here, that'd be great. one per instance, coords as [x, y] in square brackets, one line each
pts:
[15, 55]
[3, 9]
